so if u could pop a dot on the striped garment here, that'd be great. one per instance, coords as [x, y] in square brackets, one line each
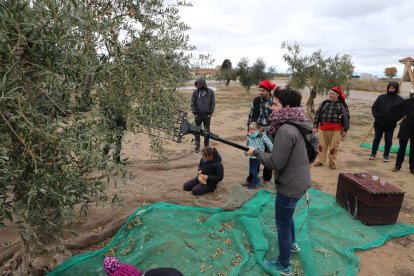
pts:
[260, 143]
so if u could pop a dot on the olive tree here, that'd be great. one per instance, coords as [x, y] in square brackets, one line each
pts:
[227, 73]
[316, 72]
[251, 75]
[66, 68]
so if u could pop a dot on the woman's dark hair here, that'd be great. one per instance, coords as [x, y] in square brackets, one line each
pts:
[288, 96]
[209, 151]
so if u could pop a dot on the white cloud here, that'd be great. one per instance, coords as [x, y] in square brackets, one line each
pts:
[377, 33]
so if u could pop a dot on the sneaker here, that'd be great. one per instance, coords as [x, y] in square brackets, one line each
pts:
[283, 270]
[385, 159]
[197, 150]
[246, 183]
[332, 166]
[317, 164]
[252, 187]
[371, 157]
[295, 248]
[396, 169]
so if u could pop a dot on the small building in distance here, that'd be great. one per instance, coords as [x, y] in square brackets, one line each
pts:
[207, 73]
[368, 77]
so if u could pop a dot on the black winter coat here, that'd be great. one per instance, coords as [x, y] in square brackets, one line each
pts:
[203, 105]
[405, 110]
[213, 169]
[381, 110]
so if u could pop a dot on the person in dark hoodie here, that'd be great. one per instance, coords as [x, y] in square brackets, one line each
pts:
[404, 110]
[210, 173]
[290, 162]
[384, 123]
[202, 106]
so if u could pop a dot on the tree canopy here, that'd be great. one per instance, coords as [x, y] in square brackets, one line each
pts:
[66, 69]
[251, 75]
[227, 73]
[317, 72]
[390, 72]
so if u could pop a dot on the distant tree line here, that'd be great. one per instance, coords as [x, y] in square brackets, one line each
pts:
[247, 74]
[316, 71]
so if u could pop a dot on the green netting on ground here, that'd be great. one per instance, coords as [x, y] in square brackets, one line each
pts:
[394, 148]
[210, 241]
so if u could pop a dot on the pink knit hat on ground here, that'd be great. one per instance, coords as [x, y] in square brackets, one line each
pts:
[113, 267]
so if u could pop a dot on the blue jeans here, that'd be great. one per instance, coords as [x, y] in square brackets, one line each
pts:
[388, 133]
[284, 209]
[254, 172]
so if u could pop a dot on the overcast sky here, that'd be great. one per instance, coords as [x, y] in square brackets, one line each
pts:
[376, 33]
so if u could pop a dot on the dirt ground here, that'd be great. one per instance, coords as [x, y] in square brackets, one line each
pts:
[154, 182]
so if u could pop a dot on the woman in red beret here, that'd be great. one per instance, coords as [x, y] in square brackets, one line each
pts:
[332, 124]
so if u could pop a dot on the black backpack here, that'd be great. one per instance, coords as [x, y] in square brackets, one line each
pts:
[312, 153]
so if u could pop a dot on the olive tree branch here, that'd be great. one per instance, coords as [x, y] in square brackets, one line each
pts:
[21, 141]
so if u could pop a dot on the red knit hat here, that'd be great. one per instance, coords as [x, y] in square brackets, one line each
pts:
[269, 86]
[338, 90]
[113, 267]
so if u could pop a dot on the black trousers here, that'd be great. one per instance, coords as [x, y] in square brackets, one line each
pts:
[205, 120]
[401, 153]
[196, 187]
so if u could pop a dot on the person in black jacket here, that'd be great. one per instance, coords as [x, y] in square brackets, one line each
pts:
[210, 173]
[405, 110]
[384, 123]
[259, 113]
[202, 106]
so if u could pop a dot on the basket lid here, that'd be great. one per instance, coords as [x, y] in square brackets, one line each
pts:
[373, 184]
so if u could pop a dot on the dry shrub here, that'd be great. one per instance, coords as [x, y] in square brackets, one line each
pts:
[369, 85]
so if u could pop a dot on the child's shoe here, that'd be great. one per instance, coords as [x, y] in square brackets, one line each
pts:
[295, 248]
[253, 187]
[283, 270]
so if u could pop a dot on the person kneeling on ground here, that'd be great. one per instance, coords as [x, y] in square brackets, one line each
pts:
[210, 173]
